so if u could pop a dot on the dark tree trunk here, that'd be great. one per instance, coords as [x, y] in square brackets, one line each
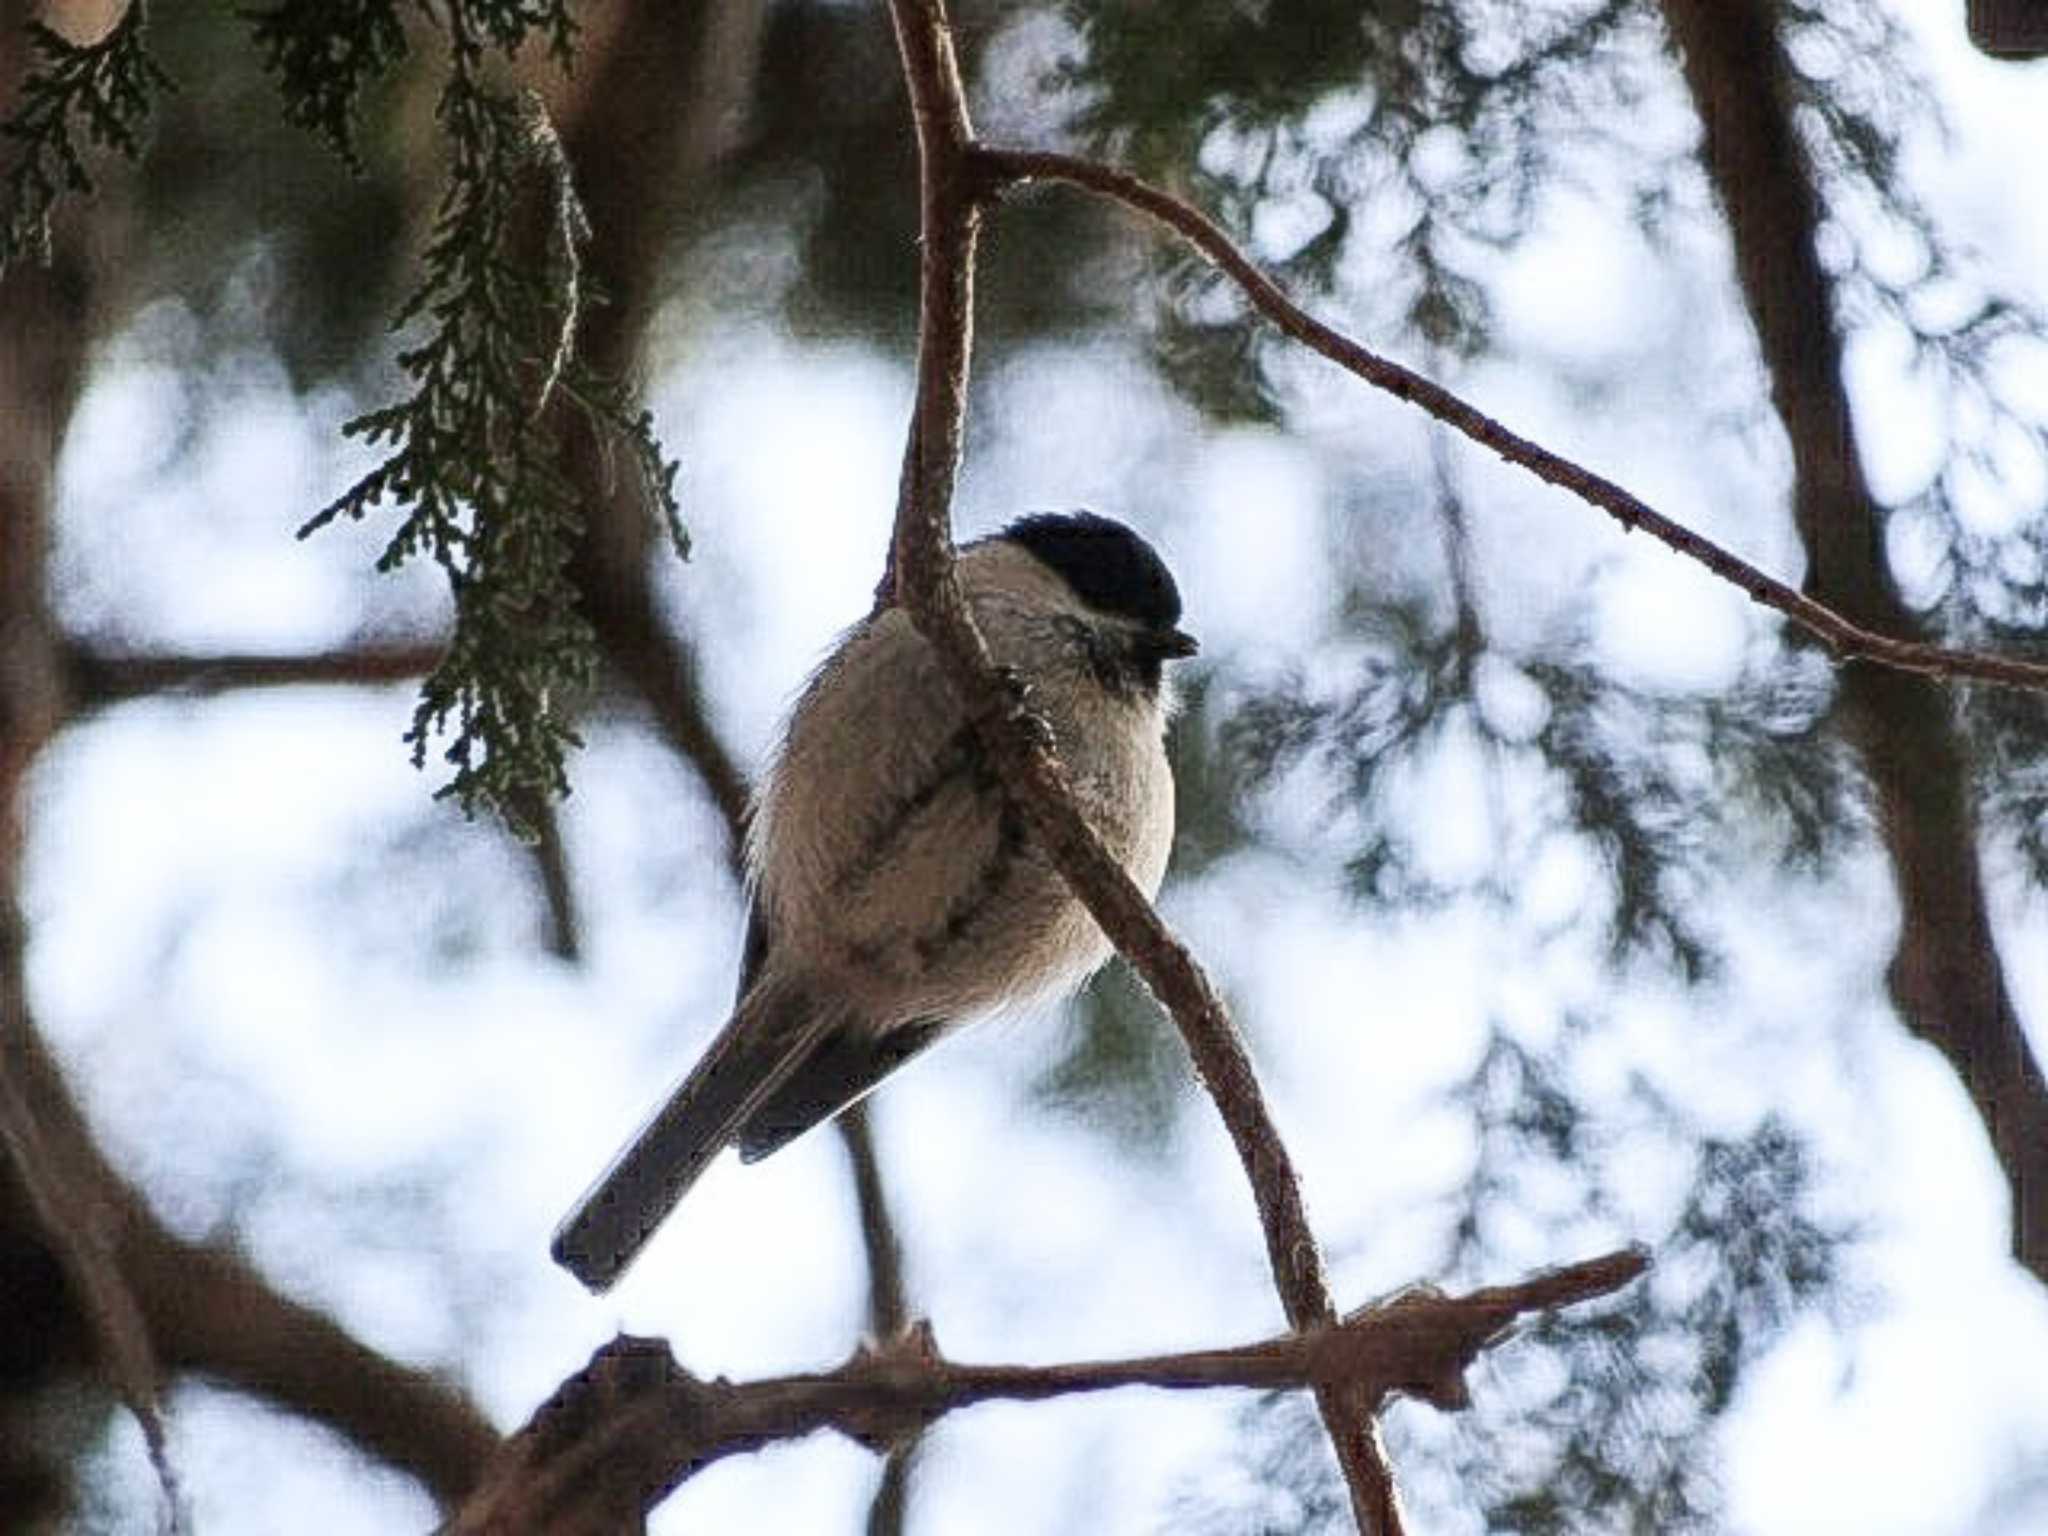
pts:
[1945, 976]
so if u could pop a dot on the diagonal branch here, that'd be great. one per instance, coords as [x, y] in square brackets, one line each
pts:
[952, 186]
[651, 114]
[81, 1227]
[214, 1316]
[633, 1425]
[163, 1306]
[1845, 639]
[641, 157]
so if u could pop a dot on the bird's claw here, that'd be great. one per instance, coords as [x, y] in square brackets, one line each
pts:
[1023, 719]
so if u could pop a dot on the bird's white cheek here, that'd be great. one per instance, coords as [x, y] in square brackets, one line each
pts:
[1155, 835]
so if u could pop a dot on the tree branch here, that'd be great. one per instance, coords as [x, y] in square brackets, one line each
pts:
[888, 1303]
[162, 1305]
[215, 1317]
[649, 116]
[639, 157]
[920, 573]
[96, 678]
[633, 1425]
[1844, 639]
[81, 1226]
[952, 185]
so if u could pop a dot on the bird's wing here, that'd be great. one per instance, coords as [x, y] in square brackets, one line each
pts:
[754, 950]
[842, 1068]
[839, 1070]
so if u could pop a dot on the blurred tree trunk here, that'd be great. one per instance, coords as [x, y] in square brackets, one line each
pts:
[44, 314]
[1945, 976]
[43, 335]
[657, 103]
[2009, 29]
[205, 1311]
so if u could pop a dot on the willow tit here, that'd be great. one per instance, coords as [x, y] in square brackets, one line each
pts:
[895, 890]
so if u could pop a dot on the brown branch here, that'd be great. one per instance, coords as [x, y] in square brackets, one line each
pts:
[1845, 639]
[657, 667]
[548, 853]
[889, 1509]
[81, 1226]
[95, 678]
[189, 1307]
[634, 1425]
[215, 1317]
[646, 121]
[920, 572]
[953, 184]
[888, 1303]
[661, 670]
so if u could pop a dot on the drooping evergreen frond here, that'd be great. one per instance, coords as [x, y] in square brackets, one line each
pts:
[325, 54]
[474, 451]
[75, 98]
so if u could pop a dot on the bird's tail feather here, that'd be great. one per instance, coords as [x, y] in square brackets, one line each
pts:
[775, 1027]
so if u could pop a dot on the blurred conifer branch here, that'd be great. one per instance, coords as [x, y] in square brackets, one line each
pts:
[75, 97]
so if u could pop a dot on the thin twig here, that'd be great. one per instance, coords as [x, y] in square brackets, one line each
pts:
[888, 1304]
[568, 233]
[548, 852]
[1846, 640]
[888, 1300]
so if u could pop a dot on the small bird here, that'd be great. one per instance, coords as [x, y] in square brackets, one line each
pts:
[895, 890]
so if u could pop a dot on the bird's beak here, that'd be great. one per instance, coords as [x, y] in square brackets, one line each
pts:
[1174, 644]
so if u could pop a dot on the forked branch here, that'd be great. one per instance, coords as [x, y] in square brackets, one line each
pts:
[952, 189]
[629, 1428]
[1846, 640]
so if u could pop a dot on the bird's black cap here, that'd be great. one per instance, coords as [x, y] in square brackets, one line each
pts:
[1108, 566]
